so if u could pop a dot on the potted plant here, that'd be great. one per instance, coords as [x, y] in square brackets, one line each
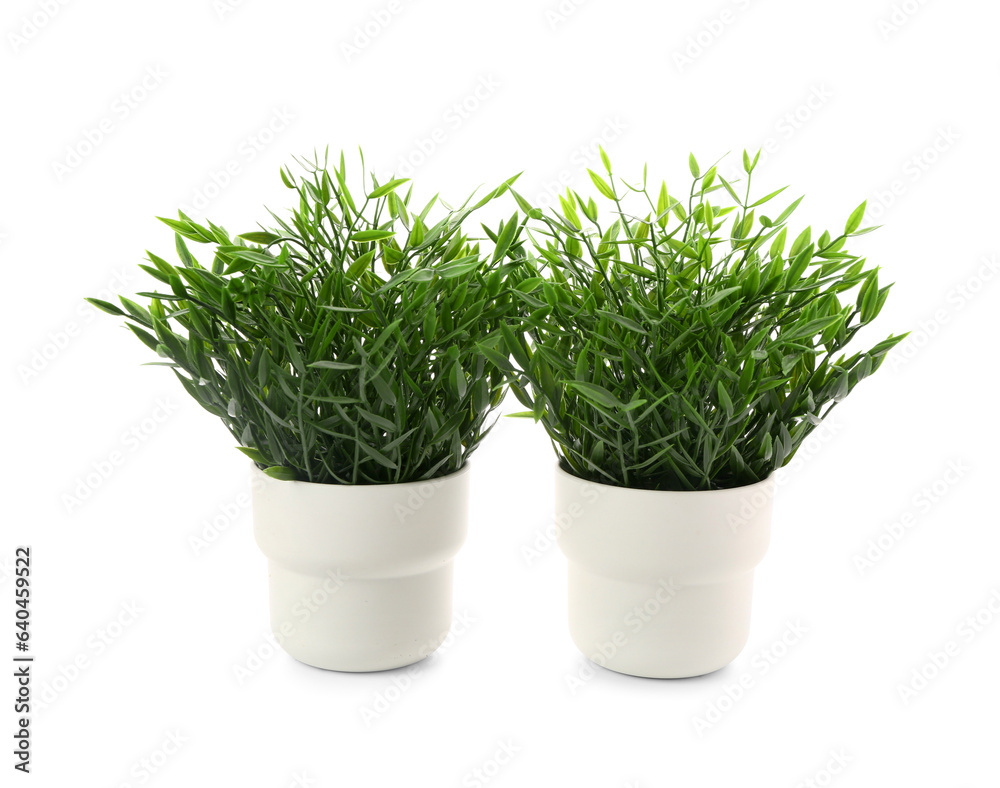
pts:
[343, 348]
[677, 357]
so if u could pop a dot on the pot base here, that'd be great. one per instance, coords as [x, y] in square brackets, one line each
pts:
[659, 630]
[359, 624]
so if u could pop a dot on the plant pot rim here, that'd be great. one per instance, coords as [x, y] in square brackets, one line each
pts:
[395, 486]
[741, 490]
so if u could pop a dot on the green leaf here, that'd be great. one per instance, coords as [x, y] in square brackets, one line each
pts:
[732, 192]
[387, 187]
[281, 472]
[384, 390]
[725, 400]
[504, 239]
[811, 327]
[721, 295]
[181, 228]
[625, 322]
[746, 376]
[514, 346]
[104, 306]
[253, 454]
[693, 165]
[375, 420]
[854, 221]
[602, 185]
[340, 365]
[594, 393]
[183, 252]
[376, 455]
[459, 380]
[800, 242]
[497, 359]
[366, 236]
[770, 196]
[359, 266]
[260, 237]
[529, 285]
[788, 211]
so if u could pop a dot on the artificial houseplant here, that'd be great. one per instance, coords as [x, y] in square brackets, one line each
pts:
[677, 356]
[345, 348]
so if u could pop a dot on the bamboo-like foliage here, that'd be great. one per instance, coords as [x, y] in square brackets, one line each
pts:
[345, 344]
[690, 346]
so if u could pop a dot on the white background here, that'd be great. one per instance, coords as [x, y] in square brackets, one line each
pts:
[893, 102]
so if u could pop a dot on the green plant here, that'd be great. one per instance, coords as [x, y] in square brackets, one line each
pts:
[690, 347]
[343, 345]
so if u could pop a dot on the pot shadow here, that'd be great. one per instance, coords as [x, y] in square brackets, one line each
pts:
[635, 686]
[427, 664]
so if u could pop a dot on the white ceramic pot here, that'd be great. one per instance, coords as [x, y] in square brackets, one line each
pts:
[360, 575]
[660, 583]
